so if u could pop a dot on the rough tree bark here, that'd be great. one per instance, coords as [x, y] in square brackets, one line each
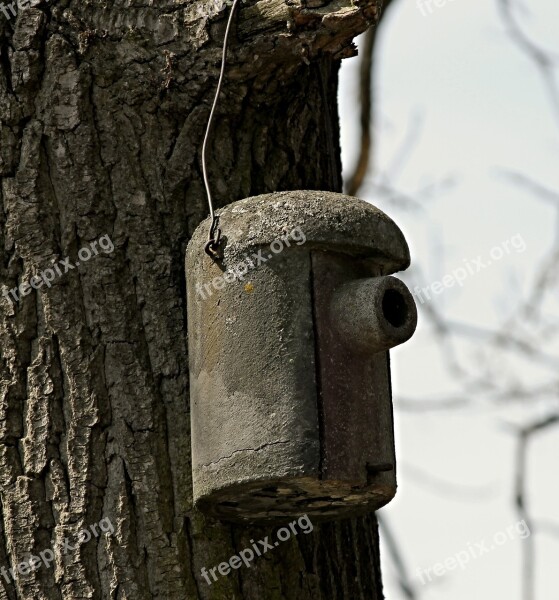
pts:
[102, 111]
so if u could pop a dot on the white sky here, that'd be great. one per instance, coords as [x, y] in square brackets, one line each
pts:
[482, 108]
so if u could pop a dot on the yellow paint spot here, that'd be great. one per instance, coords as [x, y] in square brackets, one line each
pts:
[249, 288]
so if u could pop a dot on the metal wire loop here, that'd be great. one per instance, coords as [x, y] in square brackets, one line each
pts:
[215, 233]
[212, 245]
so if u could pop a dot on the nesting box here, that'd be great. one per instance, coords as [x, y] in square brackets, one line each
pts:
[289, 332]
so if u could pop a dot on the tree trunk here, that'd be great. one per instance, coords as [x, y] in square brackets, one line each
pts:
[102, 112]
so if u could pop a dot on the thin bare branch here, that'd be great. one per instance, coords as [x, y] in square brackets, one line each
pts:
[389, 538]
[542, 59]
[365, 95]
[355, 181]
[528, 548]
[450, 489]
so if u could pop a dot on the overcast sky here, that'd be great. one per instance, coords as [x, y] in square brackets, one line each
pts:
[475, 105]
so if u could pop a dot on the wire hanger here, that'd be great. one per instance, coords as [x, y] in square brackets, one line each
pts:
[214, 235]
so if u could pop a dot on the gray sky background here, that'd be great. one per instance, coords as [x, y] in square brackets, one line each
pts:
[478, 107]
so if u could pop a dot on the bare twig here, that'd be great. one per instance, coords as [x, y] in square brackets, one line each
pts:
[542, 59]
[366, 72]
[365, 94]
[528, 548]
[442, 487]
[395, 554]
